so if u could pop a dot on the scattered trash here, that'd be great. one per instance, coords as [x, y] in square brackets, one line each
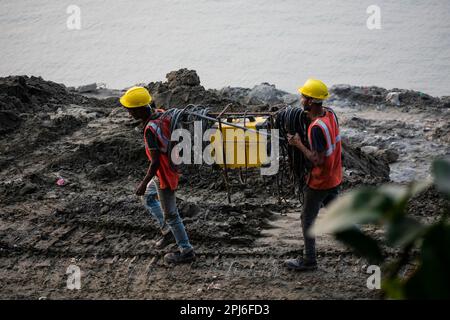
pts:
[60, 181]
[394, 98]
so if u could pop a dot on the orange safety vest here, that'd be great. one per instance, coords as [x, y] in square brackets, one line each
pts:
[168, 177]
[329, 174]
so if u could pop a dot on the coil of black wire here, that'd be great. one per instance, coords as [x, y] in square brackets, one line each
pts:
[184, 119]
[292, 120]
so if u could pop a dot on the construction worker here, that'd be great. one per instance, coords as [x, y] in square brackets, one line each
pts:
[325, 155]
[160, 174]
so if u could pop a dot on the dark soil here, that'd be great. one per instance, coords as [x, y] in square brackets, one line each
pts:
[95, 221]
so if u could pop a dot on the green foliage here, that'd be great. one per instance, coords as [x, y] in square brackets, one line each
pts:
[441, 173]
[432, 278]
[362, 244]
[386, 206]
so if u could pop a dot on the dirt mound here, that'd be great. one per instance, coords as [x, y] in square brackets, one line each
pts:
[181, 88]
[106, 158]
[34, 92]
[442, 133]
[373, 95]
[182, 77]
[8, 121]
[118, 155]
[262, 94]
[22, 97]
[429, 204]
[363, 168]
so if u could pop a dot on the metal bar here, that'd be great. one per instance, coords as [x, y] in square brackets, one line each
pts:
[245, 146]
[242, 113]
[230, 124]
[224, 158]
[223, 111]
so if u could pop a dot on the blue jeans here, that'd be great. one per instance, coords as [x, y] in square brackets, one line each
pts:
[153, 205]
[166, 212]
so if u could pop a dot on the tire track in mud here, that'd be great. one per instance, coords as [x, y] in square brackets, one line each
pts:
[232, 276]
[60, 229]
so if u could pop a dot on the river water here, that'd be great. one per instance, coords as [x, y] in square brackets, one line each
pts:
[230, 42]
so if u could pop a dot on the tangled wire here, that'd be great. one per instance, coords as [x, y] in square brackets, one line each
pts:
[290, 120]
[184, 119]
[293, 120]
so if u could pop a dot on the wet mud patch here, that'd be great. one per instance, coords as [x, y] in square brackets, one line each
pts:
[216, 225]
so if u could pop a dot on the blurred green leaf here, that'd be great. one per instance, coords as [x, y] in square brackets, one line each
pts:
[362, 244]
[356, 207]
[393, 288]
[404, 194]
[432, 278]
[403, 231]
[419, 186]
[366, 205]
[441, 173]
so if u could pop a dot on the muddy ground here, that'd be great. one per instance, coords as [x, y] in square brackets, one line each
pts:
[95, 221]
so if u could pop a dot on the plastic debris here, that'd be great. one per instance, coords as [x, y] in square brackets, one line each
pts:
[60, 181]
[394, 98]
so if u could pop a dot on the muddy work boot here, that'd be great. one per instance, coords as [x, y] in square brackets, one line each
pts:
[182, 256]
[300, 265]
[164, 240]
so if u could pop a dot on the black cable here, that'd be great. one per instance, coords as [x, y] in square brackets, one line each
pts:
[181, 119]
[292, 120]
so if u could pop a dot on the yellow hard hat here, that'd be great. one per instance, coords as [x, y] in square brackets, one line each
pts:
[136, 97]
[315, 89]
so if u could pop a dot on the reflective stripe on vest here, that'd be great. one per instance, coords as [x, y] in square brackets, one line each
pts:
[159, 134]
[331, 146]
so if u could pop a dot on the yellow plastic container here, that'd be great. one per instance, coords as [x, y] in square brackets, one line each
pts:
[242, 148]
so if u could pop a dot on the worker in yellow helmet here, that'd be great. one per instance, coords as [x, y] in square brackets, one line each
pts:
[324, 152]
[160, 174]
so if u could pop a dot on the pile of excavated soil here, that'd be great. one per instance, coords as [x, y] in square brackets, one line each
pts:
[353, 95]
[183, 87]
[91, 140]
[94, 219]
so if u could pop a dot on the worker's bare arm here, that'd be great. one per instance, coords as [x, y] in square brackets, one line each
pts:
[151, 172]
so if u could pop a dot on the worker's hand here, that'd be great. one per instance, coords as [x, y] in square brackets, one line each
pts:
[294, 140]
[140, 191]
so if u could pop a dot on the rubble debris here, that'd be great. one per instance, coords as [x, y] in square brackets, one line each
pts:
[373, 95]
[183, 87]
[92, 87]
